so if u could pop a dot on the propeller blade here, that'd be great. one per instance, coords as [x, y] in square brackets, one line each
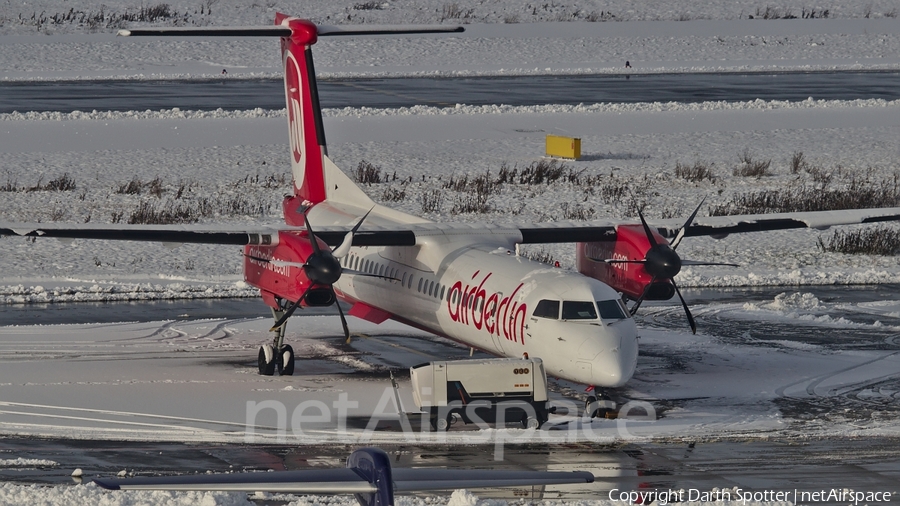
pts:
[287, 314]
[342, 250]
[285, 263]
[647, 229]
[687, 311]
[696, 262]
[640, 300]
[617, 261]
[687, 224]
[312, 237]
[343, 319]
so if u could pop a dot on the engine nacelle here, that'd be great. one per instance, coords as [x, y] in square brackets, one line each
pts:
[628, 278]
[278, 270]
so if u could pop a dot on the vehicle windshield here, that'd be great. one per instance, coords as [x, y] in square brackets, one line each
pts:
[578, 310]
[611, 310]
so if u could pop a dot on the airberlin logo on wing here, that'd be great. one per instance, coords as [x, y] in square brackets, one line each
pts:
[294, 110]
[495, 314]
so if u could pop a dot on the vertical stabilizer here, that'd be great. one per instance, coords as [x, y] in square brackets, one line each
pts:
[306, 131]
[305, 126]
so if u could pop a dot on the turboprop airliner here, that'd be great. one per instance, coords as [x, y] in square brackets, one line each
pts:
[463, 281]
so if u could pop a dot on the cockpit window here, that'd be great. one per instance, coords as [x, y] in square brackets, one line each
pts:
[611, 310]
[547, 309]
[578, 310]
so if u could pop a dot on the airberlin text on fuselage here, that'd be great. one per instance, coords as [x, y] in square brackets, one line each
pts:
[472, 305]
[256, 253]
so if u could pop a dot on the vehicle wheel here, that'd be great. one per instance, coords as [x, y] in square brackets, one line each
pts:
[441, 423]
[531, 422]
[266, 368]
[285, 361]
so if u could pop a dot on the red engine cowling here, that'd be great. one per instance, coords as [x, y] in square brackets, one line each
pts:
[631, 279]
[277, 280]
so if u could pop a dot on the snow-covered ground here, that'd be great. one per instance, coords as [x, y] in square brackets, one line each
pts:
[233, 165]
[505, 37]
[193, 381]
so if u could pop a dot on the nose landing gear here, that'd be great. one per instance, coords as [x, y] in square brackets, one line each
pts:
[599, 406]
[276, 356]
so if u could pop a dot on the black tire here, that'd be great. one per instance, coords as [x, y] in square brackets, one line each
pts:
[265, 368]
[590, 406]
[441, 424]
[285, 366]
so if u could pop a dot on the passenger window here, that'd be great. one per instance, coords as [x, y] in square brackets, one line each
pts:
[610, 310]
[442, 292]
[420, 285]
[547, 309]
[578, 310]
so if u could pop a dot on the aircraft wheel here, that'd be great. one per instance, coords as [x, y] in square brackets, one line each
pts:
[266, 367]
[285, 361]
[590, 406]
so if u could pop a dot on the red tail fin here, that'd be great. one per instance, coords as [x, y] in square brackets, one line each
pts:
[307, 132]
[307, 135]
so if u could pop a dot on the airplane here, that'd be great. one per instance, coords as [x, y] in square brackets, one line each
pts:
[463, 281]
[368, 476]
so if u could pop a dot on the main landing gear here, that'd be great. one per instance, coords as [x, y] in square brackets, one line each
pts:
[276, 356]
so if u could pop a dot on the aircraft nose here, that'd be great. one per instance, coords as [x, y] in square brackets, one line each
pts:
[615, 365]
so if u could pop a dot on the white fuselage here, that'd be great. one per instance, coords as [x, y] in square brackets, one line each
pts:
[477, 291]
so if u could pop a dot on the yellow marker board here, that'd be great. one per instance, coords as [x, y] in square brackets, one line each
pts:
[564, 147]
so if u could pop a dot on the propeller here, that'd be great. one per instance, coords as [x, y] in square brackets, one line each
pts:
[322, 267]
[662, 262]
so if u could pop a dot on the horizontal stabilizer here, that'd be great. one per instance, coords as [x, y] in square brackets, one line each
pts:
[209, 31]
[284, 31]
[326, 30]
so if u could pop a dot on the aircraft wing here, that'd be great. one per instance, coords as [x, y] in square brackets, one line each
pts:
[714, 226]
[347, 481]
[417, 233]
[205, 234]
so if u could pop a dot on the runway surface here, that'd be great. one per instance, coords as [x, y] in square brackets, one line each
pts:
[242, 94]
[794, 391]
